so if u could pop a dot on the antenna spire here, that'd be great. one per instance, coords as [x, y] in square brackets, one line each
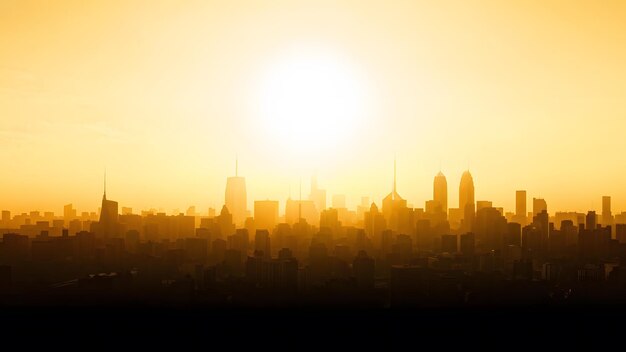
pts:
[394, 175]
[300, 202]
[105, 183]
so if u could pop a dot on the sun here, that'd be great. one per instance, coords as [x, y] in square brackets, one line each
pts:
[311, 102]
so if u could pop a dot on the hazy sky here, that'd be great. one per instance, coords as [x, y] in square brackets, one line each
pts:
[530, 94]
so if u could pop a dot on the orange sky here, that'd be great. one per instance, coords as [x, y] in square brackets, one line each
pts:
[164, 94]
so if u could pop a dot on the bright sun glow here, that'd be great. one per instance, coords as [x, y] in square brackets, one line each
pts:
[312, 102]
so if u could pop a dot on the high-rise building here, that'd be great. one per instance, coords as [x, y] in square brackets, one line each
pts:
[266, 214]
[520, 207]
[607, 216]
[225, 223]
[262, 243]
[108, 224]
[440, 191]
[364, 270]
[539, 205]
[236, 199]
[620, 230]
[591, 221]
[482, 204]
[301, 209]
[393, 204]
[6, 218]
[69, 213]
[466, 198]
[318, 196]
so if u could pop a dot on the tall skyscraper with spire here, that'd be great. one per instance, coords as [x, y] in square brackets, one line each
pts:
[236, 198]
[393, 203]
[109, 216]
[466, 199]
[440, 191]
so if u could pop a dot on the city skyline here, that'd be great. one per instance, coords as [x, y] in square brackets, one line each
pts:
[236, 201]
[441, 175]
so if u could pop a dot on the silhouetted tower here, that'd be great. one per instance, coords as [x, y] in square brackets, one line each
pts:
[393, 203]
[539, 205]
[590, 221]
[236, 199]
[466, 198]
[108, 215]
[520, 207]
[266, 214]
[318, 196]
[607, 216]
[440, 191]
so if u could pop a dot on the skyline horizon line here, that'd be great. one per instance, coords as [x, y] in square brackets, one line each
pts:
[216, 205]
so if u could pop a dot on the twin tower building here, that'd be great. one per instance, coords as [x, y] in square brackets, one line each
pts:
[467, 207]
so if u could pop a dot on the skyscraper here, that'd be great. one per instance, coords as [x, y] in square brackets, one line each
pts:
[591, 221]
[466, 196]
[318, 196]
[236, 200]
[520, 207]
[440, 191]
[69, 213]
[607, 216]
[539, 205]
[262, 243]
[393, 204]
[266, 214]
[109, 216]
[295, 210]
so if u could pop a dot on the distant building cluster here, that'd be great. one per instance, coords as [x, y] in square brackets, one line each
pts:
[395, 254]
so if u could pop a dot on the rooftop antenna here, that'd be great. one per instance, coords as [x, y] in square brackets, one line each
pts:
[105, 183]
[300, 202]
[394, 175]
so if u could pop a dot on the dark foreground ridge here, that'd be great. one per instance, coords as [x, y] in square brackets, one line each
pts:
[485, 328]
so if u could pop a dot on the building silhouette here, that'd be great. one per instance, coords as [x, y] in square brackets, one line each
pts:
[539, 205]
[236, 200]
[440, 191]
[520, 207]
[265, 214]
[69, 213]
[108, 224]
[393, 204]
[300, 209]
[466, 199]
[607, 215]
[318, 196]
[225, 224]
